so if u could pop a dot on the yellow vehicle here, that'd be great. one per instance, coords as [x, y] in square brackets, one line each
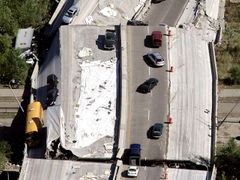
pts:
[34, 123]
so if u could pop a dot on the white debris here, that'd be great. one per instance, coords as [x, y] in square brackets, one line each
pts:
[85, 52]
[142, 1]
[108, 146]
[108, 12]
[97, 101]
[89, 20]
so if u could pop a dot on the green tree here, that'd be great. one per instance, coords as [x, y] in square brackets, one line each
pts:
[5, 45]
[228, 161]
[11, 65]
[31, 12]
[8, 23]
[235, 74]
[15, 14]
[5, 151]
[14, 67]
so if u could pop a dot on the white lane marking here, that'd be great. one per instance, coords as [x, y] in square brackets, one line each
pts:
[149, 71]
[148, 115]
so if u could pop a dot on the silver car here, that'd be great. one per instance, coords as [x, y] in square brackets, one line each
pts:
[156, 58]
[70, 15]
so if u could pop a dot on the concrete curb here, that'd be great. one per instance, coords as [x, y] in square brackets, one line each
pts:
[118, 169]
[124, 87]
[142, 10]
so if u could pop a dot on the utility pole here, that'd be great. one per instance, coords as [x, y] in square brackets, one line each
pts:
[224, 119]
[10, 86]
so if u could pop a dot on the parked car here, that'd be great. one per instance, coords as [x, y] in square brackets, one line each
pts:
[156, 130]
[148, 85]
[70, 14]
[156, 58]
[52, 95]
[110, 39]
[52, 81]
[157, 1]
[136, 23]
[156, 39]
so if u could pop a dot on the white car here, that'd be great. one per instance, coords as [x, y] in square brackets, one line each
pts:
[132, 171]
[70, 14]
[156, 58]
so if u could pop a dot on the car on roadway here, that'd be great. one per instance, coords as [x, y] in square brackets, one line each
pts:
[148, 85]
[157, 1]
[70, 14]
[156, 39]
[52, 81]
[132, 171]
[136, 23]
[156, 130]
[52, 95]
[156, 59]
[110, 39]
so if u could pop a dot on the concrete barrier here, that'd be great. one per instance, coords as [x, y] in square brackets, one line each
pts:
[142, 10]
[56, 12]
[116, 175]
[124, 87]
[214, 100]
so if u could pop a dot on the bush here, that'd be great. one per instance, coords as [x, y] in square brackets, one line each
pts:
[235, 74]
[228, 161]
[228, 54]
[4, 154]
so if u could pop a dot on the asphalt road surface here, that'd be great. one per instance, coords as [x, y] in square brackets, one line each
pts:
[168, 11]
[146, 109]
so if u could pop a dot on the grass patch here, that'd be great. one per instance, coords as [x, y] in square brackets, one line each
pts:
[228, 53]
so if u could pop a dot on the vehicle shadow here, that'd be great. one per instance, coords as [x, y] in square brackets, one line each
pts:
[100, 42]
[148, 41]
[125, 156]
[148, 62]
[156, 2]
[149, 132]
[124, 174]
[141, 89]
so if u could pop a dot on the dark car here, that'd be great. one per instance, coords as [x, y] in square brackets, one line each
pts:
[156, 39]
[148, 85]
[156, 130]
[52, 95]
[156, 1]
[110, 39]
[52, 81]
[136, 23]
